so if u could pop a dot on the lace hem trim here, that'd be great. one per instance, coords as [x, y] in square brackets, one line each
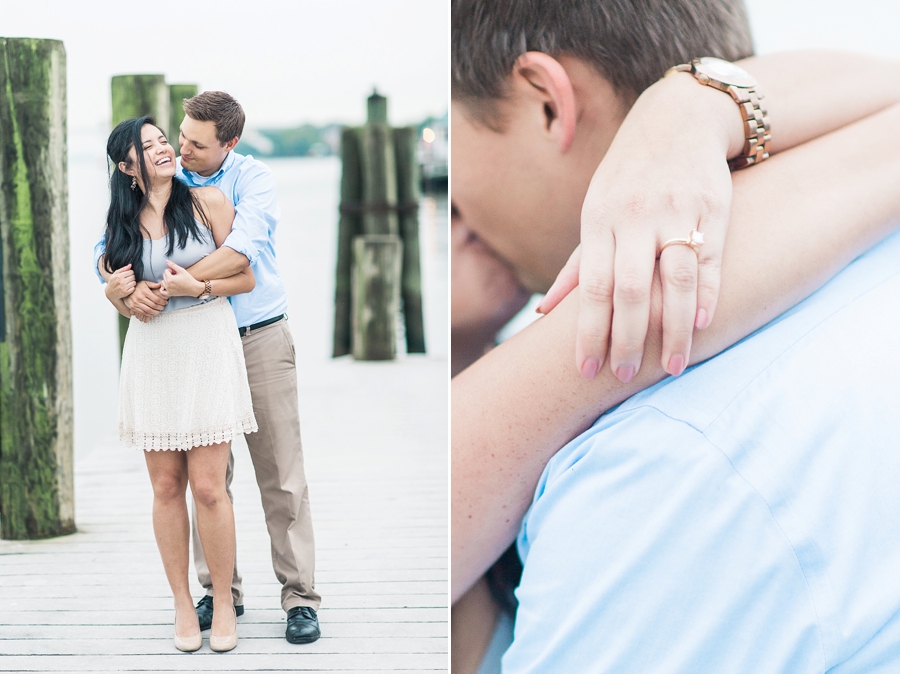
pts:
[158, 441]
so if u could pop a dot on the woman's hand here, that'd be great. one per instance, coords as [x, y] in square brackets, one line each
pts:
[664, 176]
[177, 281]
[121, 283]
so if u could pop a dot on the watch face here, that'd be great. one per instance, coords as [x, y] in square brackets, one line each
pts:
[724, 71]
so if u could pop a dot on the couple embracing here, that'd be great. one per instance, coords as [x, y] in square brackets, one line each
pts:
[182, 235]
[740, 515]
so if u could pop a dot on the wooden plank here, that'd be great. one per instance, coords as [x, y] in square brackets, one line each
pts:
[328, 579]
[50, 616]
[262, 645]
[94, 604]
[207, 661]
[155, 589]
[249, 629]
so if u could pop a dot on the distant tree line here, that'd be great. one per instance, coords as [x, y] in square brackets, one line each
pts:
[306, 140]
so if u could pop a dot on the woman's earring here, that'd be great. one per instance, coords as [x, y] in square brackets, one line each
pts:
[133, 182]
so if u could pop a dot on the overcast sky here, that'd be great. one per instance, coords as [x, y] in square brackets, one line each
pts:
[294, 61]
[868, 26]
[286, 61]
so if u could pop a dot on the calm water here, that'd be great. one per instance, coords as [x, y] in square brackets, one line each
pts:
[306, 243]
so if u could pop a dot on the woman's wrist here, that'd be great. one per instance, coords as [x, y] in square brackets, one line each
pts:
[702, 113]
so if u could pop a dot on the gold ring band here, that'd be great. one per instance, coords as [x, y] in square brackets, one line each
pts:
[694, 241]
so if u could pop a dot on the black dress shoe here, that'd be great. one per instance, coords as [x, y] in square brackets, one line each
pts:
[205, 611]
[302, 625]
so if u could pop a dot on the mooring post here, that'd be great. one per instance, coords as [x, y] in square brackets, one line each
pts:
[37, 497]
[377, 260]
[379, 197]
[405, 139]
[379, 170]
[177, 94]
[349, 227]
[136, 96]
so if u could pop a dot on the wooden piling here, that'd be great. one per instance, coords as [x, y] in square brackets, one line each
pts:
[379, 197]
[349, 227]
[405, 139]
[136, 96]
[377, 261]
[36, 439]
[177, 94]
[378, 167]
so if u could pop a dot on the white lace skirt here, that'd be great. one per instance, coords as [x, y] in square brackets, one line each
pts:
[183, 381]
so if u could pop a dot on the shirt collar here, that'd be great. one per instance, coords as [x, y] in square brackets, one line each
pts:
[197, 180]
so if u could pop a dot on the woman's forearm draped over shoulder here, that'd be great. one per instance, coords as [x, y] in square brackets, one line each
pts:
[796, 220]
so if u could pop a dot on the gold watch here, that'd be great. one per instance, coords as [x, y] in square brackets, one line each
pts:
[207, 290]
[742, 87]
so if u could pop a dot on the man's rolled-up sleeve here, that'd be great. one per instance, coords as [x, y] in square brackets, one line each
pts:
[256, 214]
[99, 251]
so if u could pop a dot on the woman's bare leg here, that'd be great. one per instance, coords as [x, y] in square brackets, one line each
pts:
[215, 524]
[169, 478]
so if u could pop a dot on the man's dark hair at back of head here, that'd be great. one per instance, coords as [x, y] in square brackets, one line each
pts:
[630, 43]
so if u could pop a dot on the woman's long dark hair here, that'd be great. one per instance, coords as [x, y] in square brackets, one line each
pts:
[124, 235]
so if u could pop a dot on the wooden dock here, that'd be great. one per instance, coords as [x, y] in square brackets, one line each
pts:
[375, 439]
[98, 601]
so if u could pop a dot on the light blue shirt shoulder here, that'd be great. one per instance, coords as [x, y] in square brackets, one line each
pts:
[744, 517]
[250, 186]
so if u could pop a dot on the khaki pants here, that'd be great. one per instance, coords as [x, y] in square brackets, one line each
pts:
[277, 457]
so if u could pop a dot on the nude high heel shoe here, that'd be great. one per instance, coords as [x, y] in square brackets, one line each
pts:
[222, 644]
[189, 644]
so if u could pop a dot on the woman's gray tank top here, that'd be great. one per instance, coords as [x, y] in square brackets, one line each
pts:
[193, 251]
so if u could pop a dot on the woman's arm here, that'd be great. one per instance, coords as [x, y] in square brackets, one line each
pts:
[178, 281]
[796, 220]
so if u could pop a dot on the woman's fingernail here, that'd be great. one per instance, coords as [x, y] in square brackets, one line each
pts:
[539, 309]
[589, 368]
[702, 319]
[676, 365]
[625, 373]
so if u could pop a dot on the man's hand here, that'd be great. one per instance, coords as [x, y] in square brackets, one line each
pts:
[146, 301]
[120, 283]
[178, 282]
[664, 176]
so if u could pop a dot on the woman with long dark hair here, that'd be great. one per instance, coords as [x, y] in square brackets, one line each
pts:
[183, 392]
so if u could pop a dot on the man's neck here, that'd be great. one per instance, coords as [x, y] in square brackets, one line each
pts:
[207, 174]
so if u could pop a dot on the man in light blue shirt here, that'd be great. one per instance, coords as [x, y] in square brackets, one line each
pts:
[744, 517]
[211, 128]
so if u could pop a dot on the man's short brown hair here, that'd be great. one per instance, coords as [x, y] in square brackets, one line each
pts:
[219, 108]
[630, 43]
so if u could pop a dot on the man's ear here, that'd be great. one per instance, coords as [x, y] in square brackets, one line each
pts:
[231, 144]
[551, 80]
